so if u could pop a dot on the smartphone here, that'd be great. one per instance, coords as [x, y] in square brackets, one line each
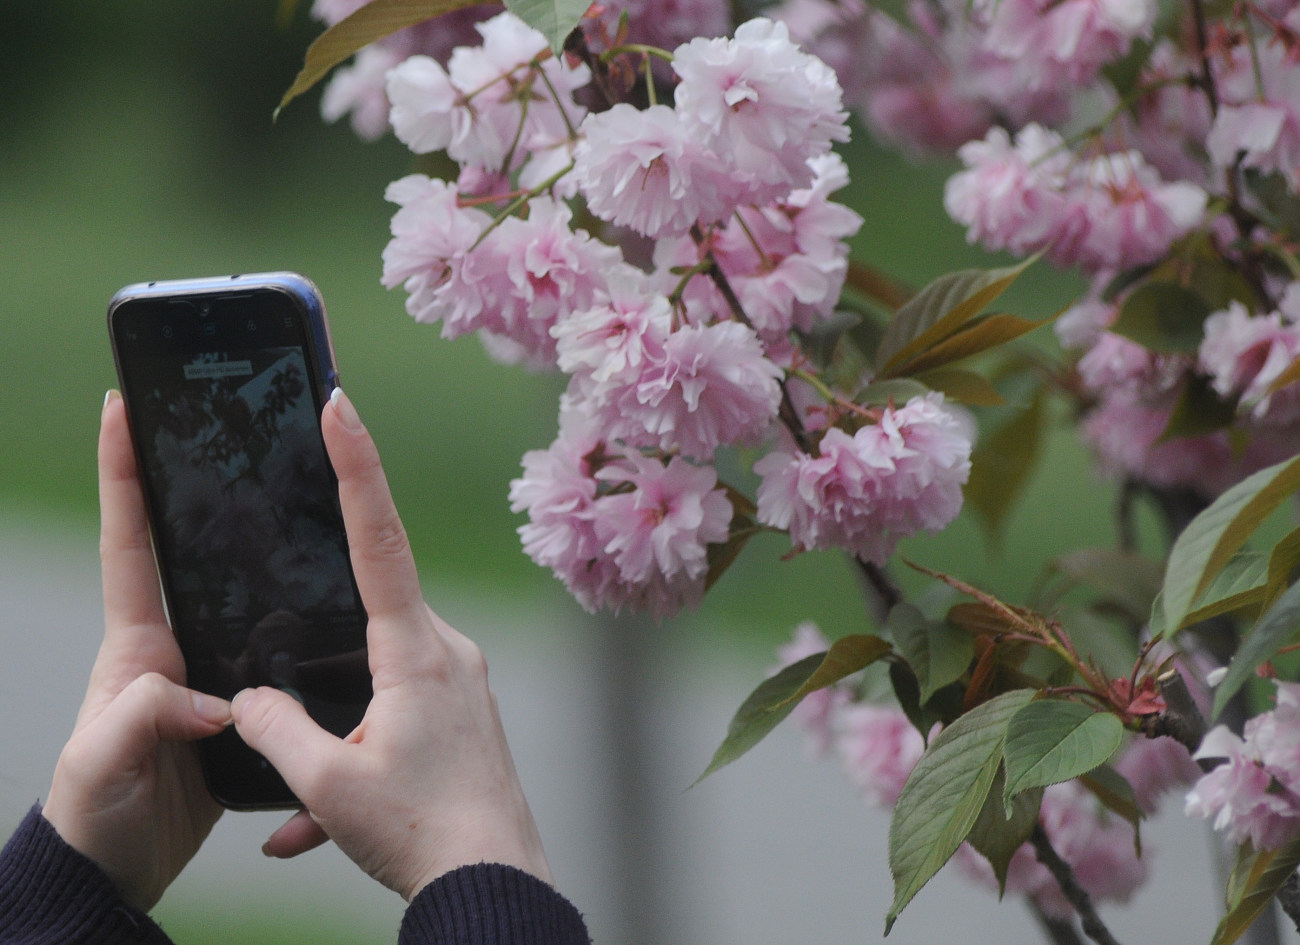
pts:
[224, 380]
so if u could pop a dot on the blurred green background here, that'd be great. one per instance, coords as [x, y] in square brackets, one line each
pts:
[138, 143]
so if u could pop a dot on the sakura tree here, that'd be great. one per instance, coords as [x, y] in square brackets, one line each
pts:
[642, 199]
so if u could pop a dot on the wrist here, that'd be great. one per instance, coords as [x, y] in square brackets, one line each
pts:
[525, 857]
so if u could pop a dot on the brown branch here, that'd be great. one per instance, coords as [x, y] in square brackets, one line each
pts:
[788, 413]
[884, 594]
[1093, 927]
[1288, 897]
[1059, 931]
[1181, 720]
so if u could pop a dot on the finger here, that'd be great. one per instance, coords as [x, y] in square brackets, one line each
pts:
[298, 835]
[149, 711]
[131, 593]
[276, 725]
[381, 554]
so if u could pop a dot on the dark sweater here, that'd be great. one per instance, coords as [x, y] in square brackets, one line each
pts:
[52, 895]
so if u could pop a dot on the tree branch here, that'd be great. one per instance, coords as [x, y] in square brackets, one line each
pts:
[1182, 720]
[1093, 927]
[1059, 931]
[883, 593]
[1288, 897]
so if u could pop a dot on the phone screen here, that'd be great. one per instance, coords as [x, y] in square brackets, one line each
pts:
[224, 396]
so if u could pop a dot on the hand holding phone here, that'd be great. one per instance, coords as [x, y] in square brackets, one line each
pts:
[127, 791]
[224, 381]
[427, 783]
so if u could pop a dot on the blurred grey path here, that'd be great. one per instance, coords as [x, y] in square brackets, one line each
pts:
[607, 735]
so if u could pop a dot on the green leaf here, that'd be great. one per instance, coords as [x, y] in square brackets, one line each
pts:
[1274, 630]
[998, 835]
[964, 386]
[846, 656]
[944, 794]
[1114, 791]
[970, 340]
[1243, 583]
[1002, 464]
[898, 390]
[1199, 410]
[554, 19]
[775, 697]
[1255, 879]
[1054, 740]
[938, 653]
[939, 310]
[1163, 316]
[1282, 561]
[1210, 540]
[372, 22]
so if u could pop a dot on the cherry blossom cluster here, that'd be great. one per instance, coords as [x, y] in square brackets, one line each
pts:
[1131, 152]
[712, 244]
[1254, 795]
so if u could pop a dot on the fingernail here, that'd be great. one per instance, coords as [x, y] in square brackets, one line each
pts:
[212, 709]
[234, 703]
[347, 414]
[266, 847]
[108, 397]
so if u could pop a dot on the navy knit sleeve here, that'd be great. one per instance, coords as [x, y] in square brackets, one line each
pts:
[489, 904]
[52, 895]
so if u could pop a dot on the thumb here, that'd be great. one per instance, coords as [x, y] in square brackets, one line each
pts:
[275, 725]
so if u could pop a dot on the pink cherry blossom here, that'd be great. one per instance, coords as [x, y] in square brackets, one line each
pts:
[1107, 213]
[1154, 767]
[1170, 123]
[1082, 325]
[645, 169]
[1117, 364]
[1133, 217]
[358, 90]
[878, 747]
[931, 81]
[1073, 38]
[1243, 354]
[1253, 795]
[657, 534]
[475, 108]
[432, 236]
[712, 386]
[550, 269]
[864, 492]
[1125, 435]
[1009, 196]
[557, 490]
[1259, 118]
[786, 261]
[762, 104]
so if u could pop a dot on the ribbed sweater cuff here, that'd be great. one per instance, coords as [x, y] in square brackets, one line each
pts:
[52, 895]
[490, 904]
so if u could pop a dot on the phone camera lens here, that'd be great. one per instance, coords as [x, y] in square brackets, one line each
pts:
[168, 331]
[205, 309]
